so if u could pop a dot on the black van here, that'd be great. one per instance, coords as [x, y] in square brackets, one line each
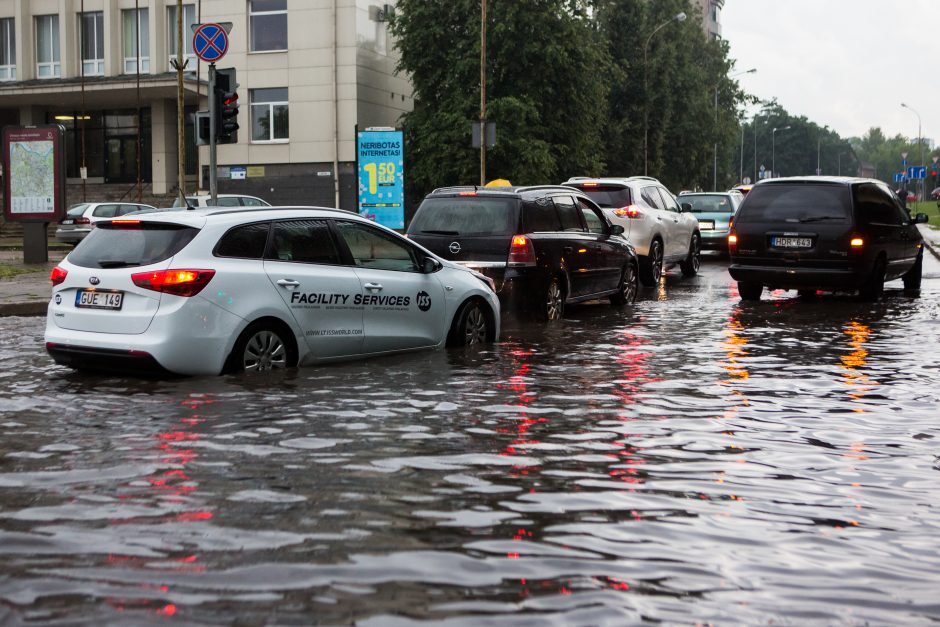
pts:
[828, 233]
[544, 246]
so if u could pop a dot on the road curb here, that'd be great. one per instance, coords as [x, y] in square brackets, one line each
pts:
[31, 308]
[931, 246]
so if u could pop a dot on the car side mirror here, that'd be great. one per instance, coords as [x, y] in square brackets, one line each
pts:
[430, 264]
[616, 229]
[921, 218]
[686, 207]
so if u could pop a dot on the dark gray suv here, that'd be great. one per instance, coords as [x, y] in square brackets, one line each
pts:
[824, 233]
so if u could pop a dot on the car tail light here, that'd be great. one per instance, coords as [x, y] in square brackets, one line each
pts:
[466, 193]
[125, 221]
[82, 221]
[521, 252]
[57, 275]
[732, 241]
[631, 211]
[589, 184]
[856, 242]
[177, 282]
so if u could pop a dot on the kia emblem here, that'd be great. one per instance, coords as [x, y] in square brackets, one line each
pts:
[454, 247]
[94, 280]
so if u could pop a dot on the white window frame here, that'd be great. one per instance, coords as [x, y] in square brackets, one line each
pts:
[94, 66]
[270, 107]
[53, 67]
[188, 55]
[8, 42]
[251, 15]
[130, 63]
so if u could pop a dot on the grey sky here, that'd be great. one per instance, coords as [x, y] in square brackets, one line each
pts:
[841, 63]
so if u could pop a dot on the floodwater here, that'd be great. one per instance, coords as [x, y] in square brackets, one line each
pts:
[691, 459]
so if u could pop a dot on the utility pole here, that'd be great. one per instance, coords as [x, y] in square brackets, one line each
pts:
[180, 65]
[482, 92]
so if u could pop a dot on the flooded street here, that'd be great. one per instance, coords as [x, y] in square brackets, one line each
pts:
[688, 459]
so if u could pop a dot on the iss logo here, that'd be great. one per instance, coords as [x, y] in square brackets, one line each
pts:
[58, 299]
[424, 301]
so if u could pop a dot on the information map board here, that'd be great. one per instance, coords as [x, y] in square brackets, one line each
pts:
[381, 168]
[34, 173]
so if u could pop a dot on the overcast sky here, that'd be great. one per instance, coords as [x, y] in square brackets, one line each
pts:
[841, 63]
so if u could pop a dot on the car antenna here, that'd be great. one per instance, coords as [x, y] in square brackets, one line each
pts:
[189, 207]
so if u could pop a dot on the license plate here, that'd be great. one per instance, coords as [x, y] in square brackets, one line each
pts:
[97, 299]
[792, 242]
[706, 225]
[67, 221]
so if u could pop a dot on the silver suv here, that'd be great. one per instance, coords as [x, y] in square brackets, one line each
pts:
[662, 233]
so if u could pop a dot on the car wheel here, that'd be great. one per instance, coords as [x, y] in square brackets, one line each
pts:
[553, 302]
[874, 286]
[471, 326]
[750, 291]
[651, 266]
[693, 262]
[263, 346]
[629, 286]
[911, 278]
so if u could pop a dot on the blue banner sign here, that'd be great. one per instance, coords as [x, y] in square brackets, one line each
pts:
[381, 158]
[916, 172]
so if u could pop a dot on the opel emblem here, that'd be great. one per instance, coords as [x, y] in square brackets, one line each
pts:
[94, 280]
[454, 247]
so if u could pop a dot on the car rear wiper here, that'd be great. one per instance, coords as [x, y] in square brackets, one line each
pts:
[820, 219]
[442, 232]
[116, 263]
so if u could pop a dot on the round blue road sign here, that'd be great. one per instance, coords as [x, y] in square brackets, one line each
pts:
[210, 42]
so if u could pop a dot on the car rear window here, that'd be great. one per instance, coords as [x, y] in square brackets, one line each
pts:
[128, 245]
[708, 203]
[609, 196]
[467, 216]
[796, 203]
[77, 211]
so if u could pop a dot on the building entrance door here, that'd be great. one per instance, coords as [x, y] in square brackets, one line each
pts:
[120, 147]
[121, 160]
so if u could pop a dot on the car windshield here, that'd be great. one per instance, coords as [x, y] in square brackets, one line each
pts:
[796, 202]
[127, 245]
[708, 203]
[466, 215]
[609, 196]
[77, 210]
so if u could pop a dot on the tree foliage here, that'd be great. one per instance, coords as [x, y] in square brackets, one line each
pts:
[884, 154]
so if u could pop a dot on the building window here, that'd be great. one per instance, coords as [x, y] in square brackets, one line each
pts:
[189, 18]
[91, 40]
[269, 120]
[716, 13]
[47, 46]
[136, 22]
[267, 25]
[7, 50]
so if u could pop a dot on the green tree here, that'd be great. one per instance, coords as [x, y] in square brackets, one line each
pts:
[545, 90]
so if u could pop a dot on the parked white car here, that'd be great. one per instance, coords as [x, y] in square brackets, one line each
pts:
[221, 290]
[660, 231]
[80, 219]
[222, 200]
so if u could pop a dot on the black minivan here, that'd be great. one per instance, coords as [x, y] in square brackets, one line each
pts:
[824, 233]
[544, 246]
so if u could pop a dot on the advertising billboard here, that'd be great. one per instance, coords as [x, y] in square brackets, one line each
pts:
[34, 173]
[381, 169]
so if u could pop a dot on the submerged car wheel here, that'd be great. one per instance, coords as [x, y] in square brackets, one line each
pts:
[691, 264]
[874, 286]
[629, 286]
[750, 291]
[471, 326]
[553, 302]
[912, 277]
[651, 266]
[263, 346]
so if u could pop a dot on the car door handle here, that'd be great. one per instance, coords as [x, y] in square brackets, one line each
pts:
[373, 286]
[288, 283]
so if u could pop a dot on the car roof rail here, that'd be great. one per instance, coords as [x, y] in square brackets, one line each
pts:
[536, 188]
[457, 188]
[643, 178]
[221, 211]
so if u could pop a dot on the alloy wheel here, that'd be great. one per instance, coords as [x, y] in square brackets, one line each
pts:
[553, 301]
[264, 351]
[474, 328]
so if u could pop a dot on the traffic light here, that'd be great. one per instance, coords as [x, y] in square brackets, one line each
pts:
[226, 107]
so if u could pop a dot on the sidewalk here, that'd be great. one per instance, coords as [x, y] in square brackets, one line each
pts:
[27, 294]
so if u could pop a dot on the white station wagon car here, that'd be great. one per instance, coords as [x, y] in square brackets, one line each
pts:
[218, 290]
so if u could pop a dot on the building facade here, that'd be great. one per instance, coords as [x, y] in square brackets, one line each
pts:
[309, 72]
[711, 16]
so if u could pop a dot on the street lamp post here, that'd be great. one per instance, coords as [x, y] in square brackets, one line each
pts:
[919, 137]
[678, 17]
[773, 150]
[715, 153]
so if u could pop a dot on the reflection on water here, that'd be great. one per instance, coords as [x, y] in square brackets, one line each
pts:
[690, 459]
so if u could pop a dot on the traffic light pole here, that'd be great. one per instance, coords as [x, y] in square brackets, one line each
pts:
[213, 174]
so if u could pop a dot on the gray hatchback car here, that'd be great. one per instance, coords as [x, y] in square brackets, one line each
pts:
[80, 219]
